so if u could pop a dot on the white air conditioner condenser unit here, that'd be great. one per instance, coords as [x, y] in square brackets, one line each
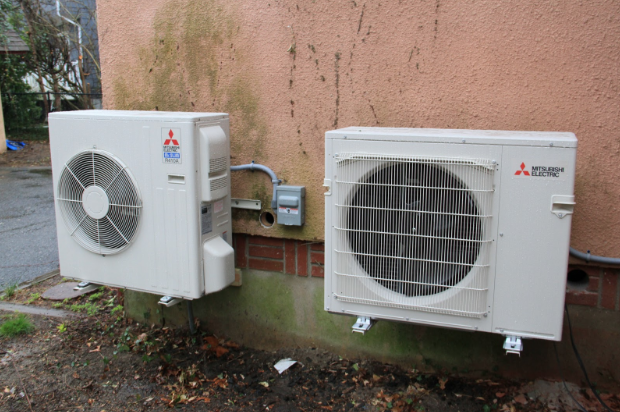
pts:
[143, 199]
[462, 229]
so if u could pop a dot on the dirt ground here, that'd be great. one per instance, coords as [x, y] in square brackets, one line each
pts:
[101, 361]
[36, 153]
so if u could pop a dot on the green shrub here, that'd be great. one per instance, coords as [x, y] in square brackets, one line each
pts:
[20, 108]
[16, 325]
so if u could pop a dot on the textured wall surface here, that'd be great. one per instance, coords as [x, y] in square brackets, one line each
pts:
[288, 71]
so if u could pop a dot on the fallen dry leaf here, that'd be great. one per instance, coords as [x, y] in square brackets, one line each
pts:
[219, 351]
[520, 399]
[442, 383]
[500, 394]
[212, 340]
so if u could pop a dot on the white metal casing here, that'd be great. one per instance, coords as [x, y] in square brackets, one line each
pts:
[519, 288]
[174, 240]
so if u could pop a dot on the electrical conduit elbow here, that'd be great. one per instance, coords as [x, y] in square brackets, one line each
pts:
[274, 179]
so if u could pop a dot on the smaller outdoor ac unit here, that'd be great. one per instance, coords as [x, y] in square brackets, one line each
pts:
[463, 229]
[143, 200]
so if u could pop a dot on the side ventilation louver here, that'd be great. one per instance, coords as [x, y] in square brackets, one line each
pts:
[217, 165]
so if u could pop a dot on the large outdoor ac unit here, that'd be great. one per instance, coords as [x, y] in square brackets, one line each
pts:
[455, 228]
[143, 200]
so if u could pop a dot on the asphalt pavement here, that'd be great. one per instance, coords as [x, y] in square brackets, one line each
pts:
[28, 245]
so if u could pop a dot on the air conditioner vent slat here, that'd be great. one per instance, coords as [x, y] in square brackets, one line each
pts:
[217, 165]
[219, 183]
[413, 232]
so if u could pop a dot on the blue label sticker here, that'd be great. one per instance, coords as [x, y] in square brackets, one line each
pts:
[169, 155]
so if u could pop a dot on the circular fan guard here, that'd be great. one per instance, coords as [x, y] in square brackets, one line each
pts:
[99, 202]
[414, 228]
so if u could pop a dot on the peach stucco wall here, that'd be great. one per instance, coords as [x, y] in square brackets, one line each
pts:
[287, 71]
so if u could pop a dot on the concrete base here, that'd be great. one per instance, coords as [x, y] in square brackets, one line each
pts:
[273, 310]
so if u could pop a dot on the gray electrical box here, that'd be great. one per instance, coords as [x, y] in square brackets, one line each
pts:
[291, 205]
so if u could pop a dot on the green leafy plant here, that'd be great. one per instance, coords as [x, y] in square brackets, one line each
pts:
[116, 309]
[10, 290]
[62, 328]
[89, 308]
[95, 296]
[16, 325]
[32, 298]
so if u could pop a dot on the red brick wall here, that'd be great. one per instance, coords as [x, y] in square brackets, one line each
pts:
[303, 258]
[292, 257]
[602, 290]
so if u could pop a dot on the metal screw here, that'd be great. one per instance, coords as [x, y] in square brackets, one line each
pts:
[326, 308]
[406, 318]
[494, 162]
[463, 140]
[560, 215]
[501, 234]
[345, 137]
[551, 144]
[485, 315]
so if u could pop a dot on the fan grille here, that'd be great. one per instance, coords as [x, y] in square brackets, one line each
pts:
[411, 229]
[99, 202]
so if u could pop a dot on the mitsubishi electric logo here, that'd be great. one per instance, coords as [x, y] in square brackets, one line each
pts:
[525, 172]
[540, 171]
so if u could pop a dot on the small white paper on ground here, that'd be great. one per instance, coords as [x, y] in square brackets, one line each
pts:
[284, 364]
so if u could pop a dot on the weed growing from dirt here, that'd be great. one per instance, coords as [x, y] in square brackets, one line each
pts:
[32, 298]
[89, 308]
[10, 290]
[16, 325]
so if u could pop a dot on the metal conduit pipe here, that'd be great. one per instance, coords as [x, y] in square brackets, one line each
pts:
[271, 173]
[593, 258]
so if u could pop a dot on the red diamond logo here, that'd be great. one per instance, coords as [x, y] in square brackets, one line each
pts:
[525, 172]
[171, 141]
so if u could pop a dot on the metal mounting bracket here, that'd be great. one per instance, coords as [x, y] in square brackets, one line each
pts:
[363, 324]
[250, 204]
[168, 301]
[328, 184]
[85, 287]
[513, 344]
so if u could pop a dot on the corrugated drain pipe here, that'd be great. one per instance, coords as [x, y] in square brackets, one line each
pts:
[593, 258]
[272, 175]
